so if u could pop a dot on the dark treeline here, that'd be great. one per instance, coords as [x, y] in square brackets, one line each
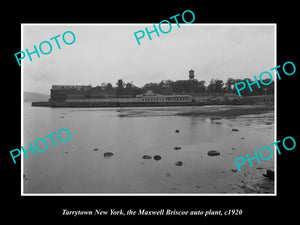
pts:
[190, 86]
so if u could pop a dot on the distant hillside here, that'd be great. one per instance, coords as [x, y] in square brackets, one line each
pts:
[35, 97]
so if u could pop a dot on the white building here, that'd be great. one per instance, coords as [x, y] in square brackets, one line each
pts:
[149, 96]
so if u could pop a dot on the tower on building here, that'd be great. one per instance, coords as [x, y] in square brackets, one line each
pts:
[191, 75]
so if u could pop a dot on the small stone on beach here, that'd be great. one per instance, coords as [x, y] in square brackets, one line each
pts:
[147, 157]
[179, 163]
[242, 184]
[177, 131]
[213, 153]
[108, 154]
[157, 157]
[24, 177]
[234, 129]
[177, 148]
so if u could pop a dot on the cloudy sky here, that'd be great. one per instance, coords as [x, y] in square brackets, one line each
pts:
[108, 52]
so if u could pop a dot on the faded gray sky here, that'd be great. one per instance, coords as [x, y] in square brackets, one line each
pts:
[106, 53]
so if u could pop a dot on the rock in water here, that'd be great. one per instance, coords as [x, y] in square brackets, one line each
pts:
[233, 129]
[179, 163]
[108, 154]
[177, 131]
[177, 148]
[147, 157]
[213, 153]
[269, 174]
[157, 157]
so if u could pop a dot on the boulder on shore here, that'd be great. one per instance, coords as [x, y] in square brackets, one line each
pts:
[269, 174]
[179, 163]
[147, 157]
[108, 154]
[213, 153]
[157, 157]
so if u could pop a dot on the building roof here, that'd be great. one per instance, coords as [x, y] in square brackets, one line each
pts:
[55, 87]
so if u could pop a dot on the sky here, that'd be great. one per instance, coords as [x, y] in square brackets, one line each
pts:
[108, 52]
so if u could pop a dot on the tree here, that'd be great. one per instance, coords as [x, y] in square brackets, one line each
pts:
[120, 84]
[211, 87]
[201, 86]
[181, 86]
[215, 86]
[129, 85]
[229, 84]
[108, 86]
[219, 86]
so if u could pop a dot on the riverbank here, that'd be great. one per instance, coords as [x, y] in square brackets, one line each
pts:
[219, 111]
[228, 111]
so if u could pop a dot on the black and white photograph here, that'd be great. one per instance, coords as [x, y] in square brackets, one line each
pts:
[118, 109]
[149, 113]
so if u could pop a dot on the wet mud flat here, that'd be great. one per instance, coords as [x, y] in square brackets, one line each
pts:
[258, 179]
[153, 150]
[211, 110]
[251, 181]
[228, 111]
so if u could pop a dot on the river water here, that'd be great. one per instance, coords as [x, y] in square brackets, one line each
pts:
[79, 166]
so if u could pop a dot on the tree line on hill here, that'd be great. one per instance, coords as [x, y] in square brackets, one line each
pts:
[190, 86]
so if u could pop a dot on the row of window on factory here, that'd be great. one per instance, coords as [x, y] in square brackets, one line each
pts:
[167, 98]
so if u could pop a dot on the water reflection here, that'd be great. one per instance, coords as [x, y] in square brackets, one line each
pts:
[75, 167]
